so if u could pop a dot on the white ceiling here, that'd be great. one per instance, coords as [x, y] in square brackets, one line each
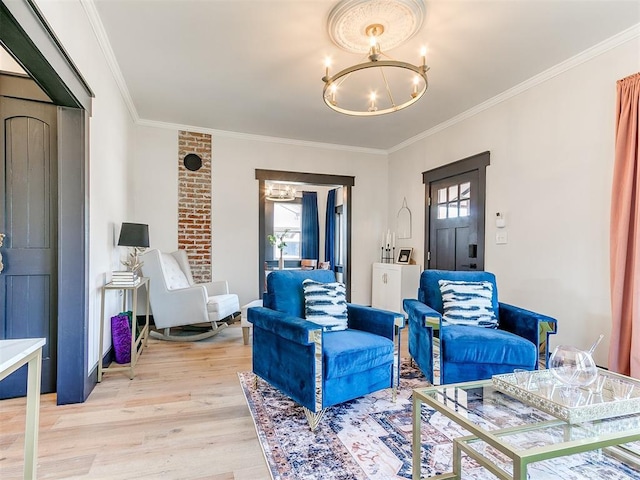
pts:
[255, 67]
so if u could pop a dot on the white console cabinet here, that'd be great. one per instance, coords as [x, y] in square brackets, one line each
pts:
[392, 283]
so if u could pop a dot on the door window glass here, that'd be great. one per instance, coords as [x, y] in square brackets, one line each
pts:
[465, 190]
[442, 195]
[454, 201]
[453, 193]
[464, 208]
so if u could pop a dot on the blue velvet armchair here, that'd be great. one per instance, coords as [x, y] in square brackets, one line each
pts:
[316, 368]
[470, 353]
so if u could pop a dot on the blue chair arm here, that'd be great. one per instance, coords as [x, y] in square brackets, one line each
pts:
[284, 354]
[285, 326]
[524, 323]
[419, 312]
[374, 320]
[421, 334]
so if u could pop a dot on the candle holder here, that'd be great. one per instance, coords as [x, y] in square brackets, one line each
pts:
[387, 254]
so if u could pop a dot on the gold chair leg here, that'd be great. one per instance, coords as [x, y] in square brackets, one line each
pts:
[314, 418]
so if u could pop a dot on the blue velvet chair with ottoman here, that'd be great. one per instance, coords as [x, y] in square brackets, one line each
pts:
[479, 336]
[316, 348]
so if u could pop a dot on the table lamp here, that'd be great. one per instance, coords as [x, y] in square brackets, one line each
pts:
[134, 235]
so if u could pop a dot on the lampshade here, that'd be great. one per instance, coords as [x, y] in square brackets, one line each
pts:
[134, 235]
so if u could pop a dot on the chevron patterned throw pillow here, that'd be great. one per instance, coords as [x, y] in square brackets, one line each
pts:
[467, 303]
[325, 304]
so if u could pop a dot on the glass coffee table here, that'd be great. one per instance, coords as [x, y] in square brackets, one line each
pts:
[506, 434]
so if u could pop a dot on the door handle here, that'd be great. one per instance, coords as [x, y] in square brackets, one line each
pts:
[2, 235]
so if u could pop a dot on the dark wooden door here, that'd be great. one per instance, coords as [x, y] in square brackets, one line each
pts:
[28, 209]
[453, 221]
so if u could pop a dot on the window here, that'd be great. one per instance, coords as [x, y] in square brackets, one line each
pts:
[453, 202]
[288, 216]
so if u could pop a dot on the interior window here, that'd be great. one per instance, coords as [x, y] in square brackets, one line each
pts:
[287, 216]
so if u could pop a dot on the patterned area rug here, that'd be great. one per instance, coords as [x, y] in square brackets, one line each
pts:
[370, 439]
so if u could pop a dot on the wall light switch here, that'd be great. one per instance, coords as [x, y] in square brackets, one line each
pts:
[501, 237]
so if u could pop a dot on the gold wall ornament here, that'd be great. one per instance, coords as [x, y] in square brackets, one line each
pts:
[403, 219]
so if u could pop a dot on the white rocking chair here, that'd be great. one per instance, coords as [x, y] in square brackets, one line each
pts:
[176, 301]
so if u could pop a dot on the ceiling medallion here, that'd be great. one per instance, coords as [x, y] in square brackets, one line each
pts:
[381, 85]
[349, 19]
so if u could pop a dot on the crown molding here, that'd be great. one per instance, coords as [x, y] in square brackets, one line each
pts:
[598, 49]
[103, 40]
[259, 138]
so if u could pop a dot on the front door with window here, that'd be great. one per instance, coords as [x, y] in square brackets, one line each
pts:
[455, 213]
[453, 223]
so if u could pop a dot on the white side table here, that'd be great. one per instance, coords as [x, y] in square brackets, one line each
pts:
[13, 355]
[139, 341]
[244, 321]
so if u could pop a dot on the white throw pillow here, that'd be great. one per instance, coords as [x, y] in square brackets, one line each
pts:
[325, 304]
[467, 303]
[173, 274]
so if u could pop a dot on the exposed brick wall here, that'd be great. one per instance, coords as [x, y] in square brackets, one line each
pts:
[194, 204]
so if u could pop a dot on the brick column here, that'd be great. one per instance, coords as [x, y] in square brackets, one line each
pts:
[194, 204]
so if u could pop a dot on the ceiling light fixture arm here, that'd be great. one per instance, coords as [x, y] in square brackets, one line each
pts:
[329, 95]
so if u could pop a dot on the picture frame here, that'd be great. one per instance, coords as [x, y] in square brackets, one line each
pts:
[404, 256]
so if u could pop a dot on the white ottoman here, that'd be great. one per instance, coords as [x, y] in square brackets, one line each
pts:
[244, 321]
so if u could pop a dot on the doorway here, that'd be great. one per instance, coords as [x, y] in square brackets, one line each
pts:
[35, 48]
[455, 214]
[343, 218]
[28, 283]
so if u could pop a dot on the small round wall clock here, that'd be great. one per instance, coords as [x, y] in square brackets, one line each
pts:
[192, 162]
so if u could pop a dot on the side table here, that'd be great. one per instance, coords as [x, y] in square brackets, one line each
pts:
[139, 340]
[244, 321]
[13, 355]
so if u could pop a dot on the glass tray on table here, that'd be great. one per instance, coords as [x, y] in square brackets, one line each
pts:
[572, 404]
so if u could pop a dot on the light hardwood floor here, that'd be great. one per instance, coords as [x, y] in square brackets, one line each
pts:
[183, 416]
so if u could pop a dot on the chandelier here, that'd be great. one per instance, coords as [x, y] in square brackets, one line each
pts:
[280, 193]
[381, 84]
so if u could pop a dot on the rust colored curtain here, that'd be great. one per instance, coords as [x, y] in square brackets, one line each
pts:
[624, 351]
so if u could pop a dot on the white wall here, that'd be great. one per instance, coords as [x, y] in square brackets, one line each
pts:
[235, 200]
[8, 64]
[110, 146]
[551, 167]
[552, 150]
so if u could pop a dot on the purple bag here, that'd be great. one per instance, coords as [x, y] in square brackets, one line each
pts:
[121, 336]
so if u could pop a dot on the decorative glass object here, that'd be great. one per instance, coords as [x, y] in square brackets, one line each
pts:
[572, 366]
[574, 404]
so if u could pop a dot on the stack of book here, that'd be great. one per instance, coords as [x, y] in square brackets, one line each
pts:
[125, 279]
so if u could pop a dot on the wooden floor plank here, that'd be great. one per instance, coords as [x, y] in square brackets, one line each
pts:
[183, 416]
